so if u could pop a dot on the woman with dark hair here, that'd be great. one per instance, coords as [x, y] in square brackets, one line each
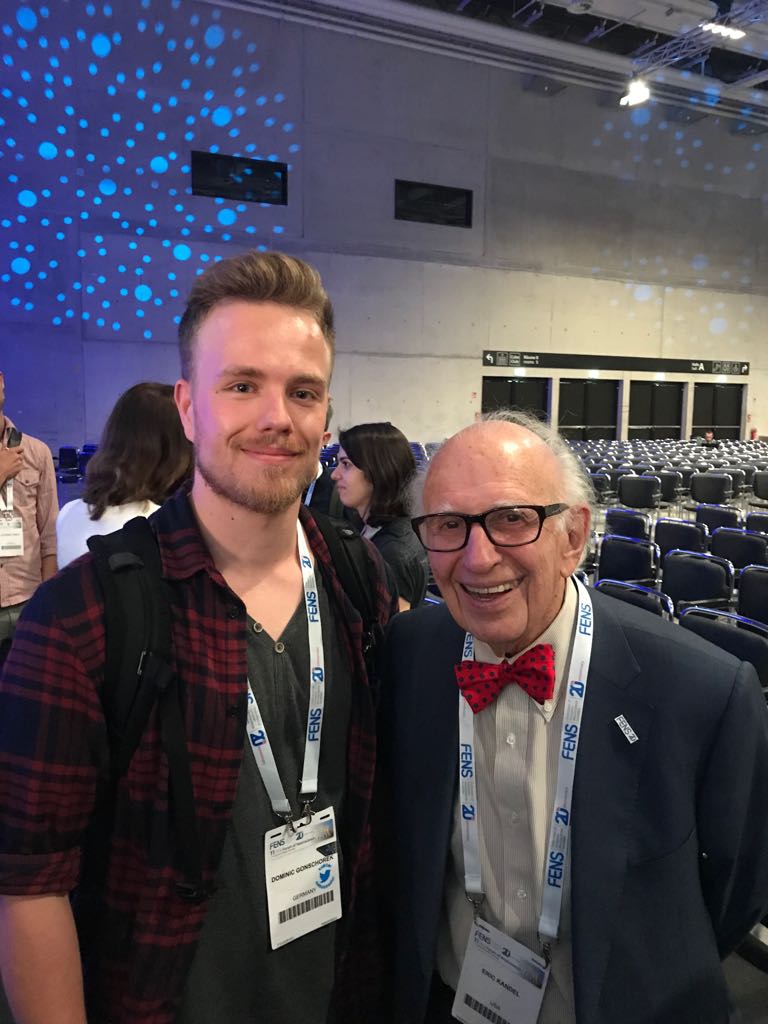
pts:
[375, 466]
[142, 458]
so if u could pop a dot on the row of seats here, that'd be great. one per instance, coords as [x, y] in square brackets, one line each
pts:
[627, 451]
[742, 540]
[672, 487]
[678, 471]
[686, 577]
[745, 638]
[329, 455]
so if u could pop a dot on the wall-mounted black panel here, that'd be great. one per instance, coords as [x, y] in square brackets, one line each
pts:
[655, 410]
[433, 204]
[235, 177]
[718, 406]
[588, 409]
[531, 394]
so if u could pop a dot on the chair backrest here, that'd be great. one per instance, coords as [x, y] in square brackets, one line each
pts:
[419, 452]
[715, 516]
[329, 455]
[601, 485]
[686, 472]
[631, 559]
[711, 488]
[669, 534]
[627, 523]
[695, 577]
[738, 478]
[68, 457]
[739, 546]
[640, 491]
[616, 473]
[745, 639]
[753, 593]
[757, 521]
[760, 484]
[642, 597]
[671, 485]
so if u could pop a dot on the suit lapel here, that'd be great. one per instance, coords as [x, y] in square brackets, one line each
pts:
[431, 720]
[605, 792]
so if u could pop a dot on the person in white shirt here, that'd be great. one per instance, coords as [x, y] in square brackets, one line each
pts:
[142, 459]
[585, 845]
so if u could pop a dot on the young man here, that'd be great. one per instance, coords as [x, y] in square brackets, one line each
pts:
[28, 508]
[278, 716]
[591, 778]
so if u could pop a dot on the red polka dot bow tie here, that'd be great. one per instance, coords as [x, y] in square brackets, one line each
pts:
[533, 671]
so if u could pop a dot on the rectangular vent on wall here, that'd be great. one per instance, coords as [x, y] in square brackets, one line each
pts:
[240, 179]
[433, 204]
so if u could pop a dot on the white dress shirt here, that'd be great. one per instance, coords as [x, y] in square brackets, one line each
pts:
[517, 744]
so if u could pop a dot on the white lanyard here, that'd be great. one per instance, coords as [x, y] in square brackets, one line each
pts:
[310, 492]
[557, 850]
[6, 501]
[257, 733]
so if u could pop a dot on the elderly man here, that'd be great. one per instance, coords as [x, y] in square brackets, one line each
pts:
[586, 844]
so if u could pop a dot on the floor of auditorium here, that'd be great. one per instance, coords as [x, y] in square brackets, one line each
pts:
[750, 990]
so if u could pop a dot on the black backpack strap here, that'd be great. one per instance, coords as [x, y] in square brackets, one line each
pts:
[137, 621]
[356, 572]
[139, 675]
[352, 566]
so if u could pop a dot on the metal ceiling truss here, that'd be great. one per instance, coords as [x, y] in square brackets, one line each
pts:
[698, 43]
[421, 28]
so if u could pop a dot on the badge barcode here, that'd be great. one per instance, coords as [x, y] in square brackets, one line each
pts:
[302, 908]
[484, 1011]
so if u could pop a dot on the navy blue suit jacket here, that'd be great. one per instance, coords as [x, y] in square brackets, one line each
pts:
[669, 834]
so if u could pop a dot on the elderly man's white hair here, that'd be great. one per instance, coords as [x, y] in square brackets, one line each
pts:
[577, 487]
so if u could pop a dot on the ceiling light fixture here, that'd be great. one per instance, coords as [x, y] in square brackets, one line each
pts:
[637, 92]
[726, 31]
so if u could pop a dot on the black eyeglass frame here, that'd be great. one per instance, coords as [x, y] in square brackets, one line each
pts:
[543, 512]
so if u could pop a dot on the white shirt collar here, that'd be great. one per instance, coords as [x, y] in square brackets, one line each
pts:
[559, 633]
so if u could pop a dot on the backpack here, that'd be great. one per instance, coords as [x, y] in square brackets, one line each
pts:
[138, 676]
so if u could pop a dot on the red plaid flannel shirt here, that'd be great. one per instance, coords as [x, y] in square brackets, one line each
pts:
[54, 761]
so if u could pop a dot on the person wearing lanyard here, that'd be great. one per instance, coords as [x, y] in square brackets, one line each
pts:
[321, 495]
[278, 713]
[580, 787]
[28, 508]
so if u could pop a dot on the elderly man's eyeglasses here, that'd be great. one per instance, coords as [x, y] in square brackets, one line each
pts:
[508, 527]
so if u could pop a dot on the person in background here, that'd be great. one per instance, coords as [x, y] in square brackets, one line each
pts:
[321, 495]
[28, 507]
[375, 468]
[142, 458]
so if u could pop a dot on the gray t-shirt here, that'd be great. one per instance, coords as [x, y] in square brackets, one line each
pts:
[236, 978]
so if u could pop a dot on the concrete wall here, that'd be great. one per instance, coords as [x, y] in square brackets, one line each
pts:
[597, 230]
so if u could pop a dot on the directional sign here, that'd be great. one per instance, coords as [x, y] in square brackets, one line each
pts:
[571, 361]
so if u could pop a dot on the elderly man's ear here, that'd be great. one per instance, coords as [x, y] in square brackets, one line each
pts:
[577, 531]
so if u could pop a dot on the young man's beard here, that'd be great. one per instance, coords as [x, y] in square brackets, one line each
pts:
[273, 492]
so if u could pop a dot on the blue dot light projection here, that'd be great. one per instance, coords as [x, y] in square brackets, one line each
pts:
[99, 230]
[692, 187]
